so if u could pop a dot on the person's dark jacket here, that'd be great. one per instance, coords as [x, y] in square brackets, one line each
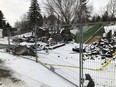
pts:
[91, 83]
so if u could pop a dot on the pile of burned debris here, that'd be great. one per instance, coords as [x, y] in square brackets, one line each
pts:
[50, 40]
[30, 39]
[44, 35]
[36, 44]
[21, 50]
[104, 47]
[30, 50]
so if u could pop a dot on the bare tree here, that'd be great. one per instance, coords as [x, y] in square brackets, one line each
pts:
[17, 24]
[112, 8]
[22, 24]
[66, 10]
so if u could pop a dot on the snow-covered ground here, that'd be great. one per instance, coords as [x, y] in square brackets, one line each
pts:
[65, 63]
[32, 74]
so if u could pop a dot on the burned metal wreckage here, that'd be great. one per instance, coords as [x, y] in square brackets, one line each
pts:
[44, 36]
[104, 47]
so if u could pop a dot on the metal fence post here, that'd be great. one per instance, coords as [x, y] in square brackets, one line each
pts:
[8, 35]
[35, 29]
[81, 49]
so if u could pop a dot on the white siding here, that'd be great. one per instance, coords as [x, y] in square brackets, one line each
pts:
[108, 28]
[1, 33]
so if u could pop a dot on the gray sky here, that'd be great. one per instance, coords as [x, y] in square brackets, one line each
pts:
[14, 9]
[99, 3]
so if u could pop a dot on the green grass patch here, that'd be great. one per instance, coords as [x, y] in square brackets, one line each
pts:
[90, 32]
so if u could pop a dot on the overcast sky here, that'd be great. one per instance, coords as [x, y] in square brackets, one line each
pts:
[14, 9]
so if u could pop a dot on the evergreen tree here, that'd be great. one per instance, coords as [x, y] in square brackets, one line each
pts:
[34, 15]
[5, 29]
[4, 24]
[93, 19]
[8, 25]
[98, 18]
[105, 16]
[2, 21]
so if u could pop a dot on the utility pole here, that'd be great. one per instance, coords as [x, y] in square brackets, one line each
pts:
[8, 35]
[35, 30]
[58, 27]
[81, 49]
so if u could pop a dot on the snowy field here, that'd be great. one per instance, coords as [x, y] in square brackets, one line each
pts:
[65, 63]
[30, 73]
[62, 61]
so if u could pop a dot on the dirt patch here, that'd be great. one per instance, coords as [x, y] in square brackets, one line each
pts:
[1, 61]
[9, 78]
[14, 80]
[6, 73]
[96, 38]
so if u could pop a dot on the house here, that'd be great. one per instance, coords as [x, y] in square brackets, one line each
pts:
[1, 33]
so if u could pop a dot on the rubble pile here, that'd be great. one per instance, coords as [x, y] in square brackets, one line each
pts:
[105, 47]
